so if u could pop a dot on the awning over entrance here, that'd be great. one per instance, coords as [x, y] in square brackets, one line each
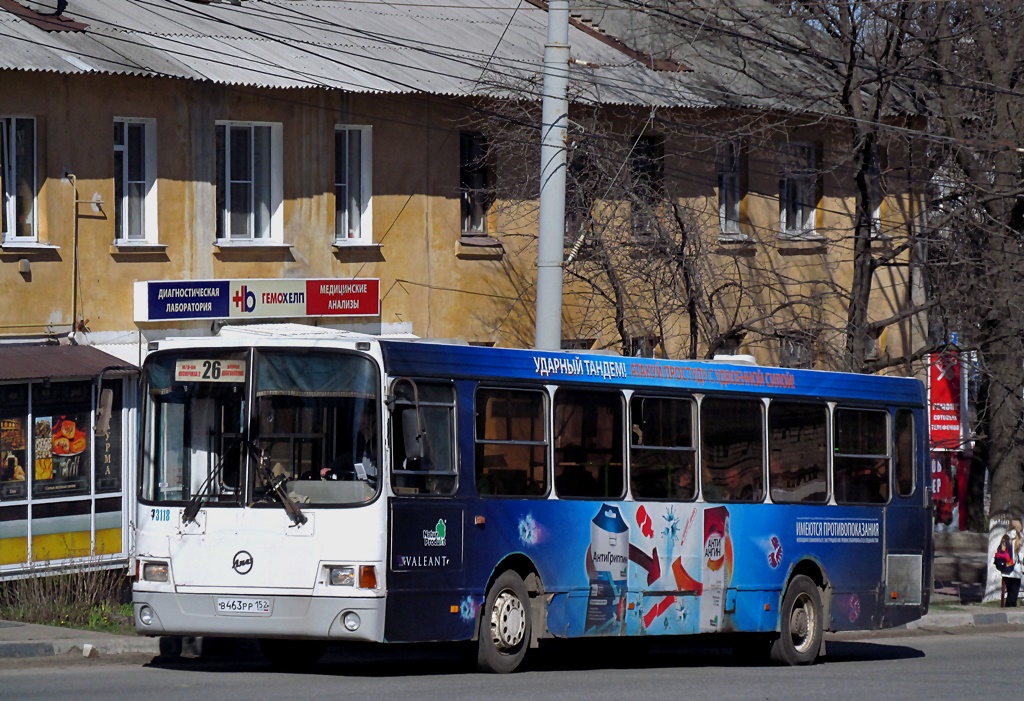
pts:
[30, 362]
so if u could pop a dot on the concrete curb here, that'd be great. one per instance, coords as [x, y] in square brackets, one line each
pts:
[62, 647]
[194, 647]
[952, 619]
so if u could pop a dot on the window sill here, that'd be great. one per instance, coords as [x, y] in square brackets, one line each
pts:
[735, 244]
[27, 247]
[801, 237]
[138, 247]
[480, 246]
[225, 244]
[798, 243]
[342, 245]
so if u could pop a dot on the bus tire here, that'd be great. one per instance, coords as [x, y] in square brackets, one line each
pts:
[801, 626]
[505, 626]
[292, 655]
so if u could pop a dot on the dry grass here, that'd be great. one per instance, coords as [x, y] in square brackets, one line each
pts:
[75, 596]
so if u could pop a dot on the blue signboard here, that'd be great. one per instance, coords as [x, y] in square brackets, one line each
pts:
[201, 299]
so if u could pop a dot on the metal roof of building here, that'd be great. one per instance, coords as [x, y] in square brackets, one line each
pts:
[35, 362]
[459, 48]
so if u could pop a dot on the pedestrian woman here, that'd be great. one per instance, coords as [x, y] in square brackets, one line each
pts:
[1011, 578]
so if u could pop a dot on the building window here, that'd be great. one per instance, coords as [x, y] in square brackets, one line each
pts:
[729, 189]
[578, 343]
[874, 183]
[352, 178]
[798, 190]
[18, 177]
[474, 179]
[135, 201]
[249, 183]
[647, 164]
[796, 349]
[578, 203]
[643, 346]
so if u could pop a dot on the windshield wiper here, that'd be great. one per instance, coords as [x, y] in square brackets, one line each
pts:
[196, 502]
[276, 485]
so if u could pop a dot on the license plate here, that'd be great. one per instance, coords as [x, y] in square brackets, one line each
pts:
[242, 606]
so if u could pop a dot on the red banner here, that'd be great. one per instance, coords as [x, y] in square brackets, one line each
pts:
[942, 487]
[944, 400]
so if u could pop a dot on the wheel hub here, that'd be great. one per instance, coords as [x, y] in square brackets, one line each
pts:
[508, 621]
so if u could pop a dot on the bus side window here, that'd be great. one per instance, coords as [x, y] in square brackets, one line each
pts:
[511, 442]
[860, 466]
[904, 443]
[731, 441]
[662, 454]
[798, 452]
[589, 451]
[423, 438]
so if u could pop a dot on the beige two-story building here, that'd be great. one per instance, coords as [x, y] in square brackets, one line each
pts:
[168, 170]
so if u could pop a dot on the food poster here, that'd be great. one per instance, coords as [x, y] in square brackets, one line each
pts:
[61, 460]
[12, 458]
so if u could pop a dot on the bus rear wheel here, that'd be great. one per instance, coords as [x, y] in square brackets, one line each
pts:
[292, 655]
[505, 628]
[802, 626]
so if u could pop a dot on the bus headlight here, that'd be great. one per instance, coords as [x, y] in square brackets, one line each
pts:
[351, 621]
[342, 576]
[145, 615]
[155, 572]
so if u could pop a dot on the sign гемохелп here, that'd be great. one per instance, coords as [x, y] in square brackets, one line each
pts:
[944, 400]
[164, 300]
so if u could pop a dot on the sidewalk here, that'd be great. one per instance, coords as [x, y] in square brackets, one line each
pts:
[30, 640]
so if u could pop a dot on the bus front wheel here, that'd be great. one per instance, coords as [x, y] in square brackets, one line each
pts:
[505, 628]
[801, 626]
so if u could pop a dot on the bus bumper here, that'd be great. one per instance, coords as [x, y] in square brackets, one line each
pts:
[324, 618]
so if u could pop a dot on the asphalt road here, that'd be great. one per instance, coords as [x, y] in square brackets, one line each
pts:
[950, 665]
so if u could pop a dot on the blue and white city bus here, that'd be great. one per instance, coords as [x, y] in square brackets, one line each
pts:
[303, 488]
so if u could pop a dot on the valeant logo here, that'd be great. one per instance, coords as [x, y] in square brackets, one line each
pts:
[244, 299]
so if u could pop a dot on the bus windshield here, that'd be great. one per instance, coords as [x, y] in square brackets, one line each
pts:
[213, 416]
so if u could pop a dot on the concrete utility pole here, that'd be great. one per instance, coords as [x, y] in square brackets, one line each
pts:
[554, 120]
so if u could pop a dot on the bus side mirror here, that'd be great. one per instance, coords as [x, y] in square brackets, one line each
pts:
[103, 409]
[412, 435]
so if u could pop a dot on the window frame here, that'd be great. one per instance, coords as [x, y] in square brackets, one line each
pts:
[565, 454]
[798, 190]
[708, 428]
[343, 205]
[729, 191]
[647, 166]
[875, 194]
[481, 442]
[861, 458]
[149, 234]
[274, 188]
[635, 448]
[433, 480]
[899, 460]
[474, 183]
[10, 176]
[774, 469]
